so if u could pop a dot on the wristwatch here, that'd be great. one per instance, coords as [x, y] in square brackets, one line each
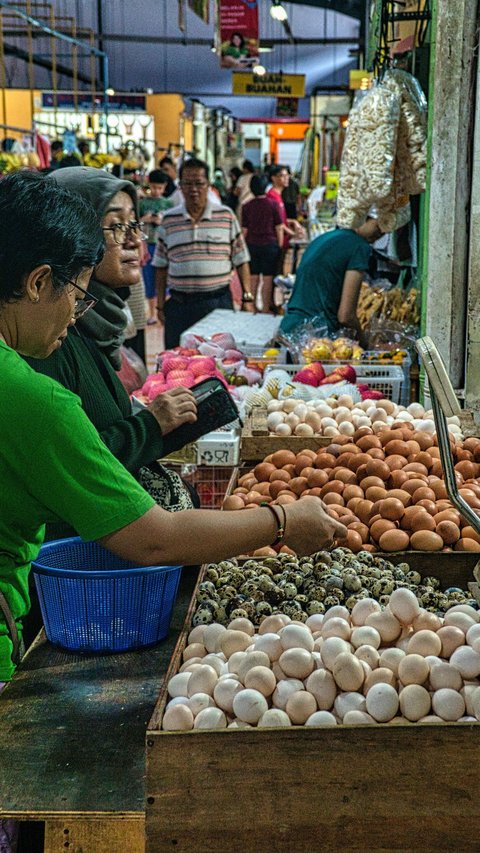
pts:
[247, 296]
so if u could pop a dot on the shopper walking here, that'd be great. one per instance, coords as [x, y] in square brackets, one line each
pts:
[291, 196]
[242, 188]
[152, 207]
[291, 228]
[263, 231]
[232, 199]
[198, 246]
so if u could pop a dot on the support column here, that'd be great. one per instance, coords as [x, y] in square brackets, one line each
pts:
[472, 381]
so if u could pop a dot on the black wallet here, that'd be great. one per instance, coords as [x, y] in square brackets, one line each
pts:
[215, 408]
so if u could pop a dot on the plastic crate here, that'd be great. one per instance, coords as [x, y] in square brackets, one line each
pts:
[389, 379]
[210, 481]
[93, 601]
[359, 366]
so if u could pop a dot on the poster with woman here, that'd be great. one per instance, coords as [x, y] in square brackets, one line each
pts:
[237, 28]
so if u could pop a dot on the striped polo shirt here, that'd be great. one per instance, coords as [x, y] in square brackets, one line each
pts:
[199, 255]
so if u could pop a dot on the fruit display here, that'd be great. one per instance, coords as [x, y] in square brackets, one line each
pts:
[401, 664]
[259, 587]
[387, 488]
[325, 349]
[343, 416]
[394, 305]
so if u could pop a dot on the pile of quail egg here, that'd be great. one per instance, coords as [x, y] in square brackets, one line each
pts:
[302, 587]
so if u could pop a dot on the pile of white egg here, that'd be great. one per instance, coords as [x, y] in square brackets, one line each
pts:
[397, 665]
[341, 415]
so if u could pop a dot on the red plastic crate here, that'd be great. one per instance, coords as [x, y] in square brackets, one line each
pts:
[210, 481]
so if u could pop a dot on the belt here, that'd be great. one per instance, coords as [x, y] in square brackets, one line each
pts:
[5, 608]
[181, 295]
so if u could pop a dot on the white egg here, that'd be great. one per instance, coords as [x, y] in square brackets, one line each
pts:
[329, 422]
[382, 702]
[292, 420]
[390, 420]
[454, 420]
[345, 400]
[364, 421]
[427, 426]
[178, 684]
[346, 428]
[303, 429]
[321, 718]
[314, 420]
[289, 405]
[210, 718]
[274, 419]
[300, 410]
[405, 416]
[371, 410]
[342, 411]
[416, 410]
[274, 718]
[249, 705]
[380, 415]
[323, 410]
[378, 426]
[178, 718]
[330, 432]
[274, 406]
[283, 429]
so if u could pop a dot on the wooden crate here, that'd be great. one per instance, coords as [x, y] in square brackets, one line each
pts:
[377, 788]
[257, 442]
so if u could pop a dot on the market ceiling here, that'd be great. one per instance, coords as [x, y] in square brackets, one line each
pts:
[147, 49]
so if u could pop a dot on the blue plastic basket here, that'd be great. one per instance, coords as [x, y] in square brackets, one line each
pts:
[93, 601]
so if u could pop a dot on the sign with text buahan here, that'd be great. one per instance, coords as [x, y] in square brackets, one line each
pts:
[276, 85]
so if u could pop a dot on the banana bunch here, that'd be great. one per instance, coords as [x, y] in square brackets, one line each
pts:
[392, 304]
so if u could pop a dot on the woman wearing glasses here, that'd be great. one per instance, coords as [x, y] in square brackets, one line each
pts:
[53, 463]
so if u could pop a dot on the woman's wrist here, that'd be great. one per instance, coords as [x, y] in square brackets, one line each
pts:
[281, 520]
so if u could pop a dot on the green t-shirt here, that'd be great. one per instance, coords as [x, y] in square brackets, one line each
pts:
[53, 465]
[153, 205]
[319, 281]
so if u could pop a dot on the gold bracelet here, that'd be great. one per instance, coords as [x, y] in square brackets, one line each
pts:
[247, 296]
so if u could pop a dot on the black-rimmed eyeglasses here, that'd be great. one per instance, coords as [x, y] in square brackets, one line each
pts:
[82, 305]
[121, 231]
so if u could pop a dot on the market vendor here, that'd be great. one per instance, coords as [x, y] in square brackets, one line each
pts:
[90, 356]
[53, 463]
[328, 280]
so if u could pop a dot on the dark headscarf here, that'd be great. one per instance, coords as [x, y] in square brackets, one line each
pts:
[105, 323]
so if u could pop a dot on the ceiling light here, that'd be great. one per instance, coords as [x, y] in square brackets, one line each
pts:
[110, 92]
[259, 70]
[278, 12]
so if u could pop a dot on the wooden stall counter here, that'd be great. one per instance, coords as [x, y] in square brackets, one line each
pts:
[72, 745]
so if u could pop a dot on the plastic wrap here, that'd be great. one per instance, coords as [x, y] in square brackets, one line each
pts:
[411, 158]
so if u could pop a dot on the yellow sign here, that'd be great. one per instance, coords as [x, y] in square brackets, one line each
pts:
[360, 79]
[276, 85]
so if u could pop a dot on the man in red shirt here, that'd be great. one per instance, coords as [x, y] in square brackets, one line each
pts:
[291, 228]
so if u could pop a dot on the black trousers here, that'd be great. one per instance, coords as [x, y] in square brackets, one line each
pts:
[183, 310]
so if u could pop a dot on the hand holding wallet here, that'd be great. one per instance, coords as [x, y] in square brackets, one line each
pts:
[215, 408]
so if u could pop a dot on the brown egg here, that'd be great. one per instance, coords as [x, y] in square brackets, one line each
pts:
[367, 442]
[283, 457]
[298, 485]
[396, 479]
[434, 452]
[471, 444]
[330, 510]
[422, 521]
[410, 513]
[426, 540]
[357, 461]
[276, 487]
[423, 439]
[315, 493]
[286, 498]
[247, 480]
[354, 541]
[254, 497]
[317, 478]
[290, 469]
[263, 470]
[301, 462]
[449, 532]
[343, 461]
[474, 487]
[378, 468]
[395, 462]
[333, 486]
[467, 469]
[352, 491]
[362, 432]
[305, 472]
[394, 540]
[416, 468]
[351, 448]
[279, 474]
[353, 503]
[401, 495]
[374, 516]
[411, 485]
[361, 473]
[392, 508]
[396, 448]
[467, 545]
[368, 482]
[439, 490]
[361, 529]
[423, 494]
[268, 458]
[429, 505]
[363, 510]
[375, 493]
[307, 452]
[470, 498]
[252, 506]
[324, 460]
[469, 533]
[233, 502]
[388, 435]
[334, 450]
[378, 528]
[333, 498]
[448, 515]
[376, 453]
[240, 490]
[262, 488]
[463, 455]
[345, 476]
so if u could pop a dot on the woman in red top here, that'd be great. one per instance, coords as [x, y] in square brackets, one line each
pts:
[291, 228]
[263, 231]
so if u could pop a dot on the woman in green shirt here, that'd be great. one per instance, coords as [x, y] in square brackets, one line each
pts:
[53, 464]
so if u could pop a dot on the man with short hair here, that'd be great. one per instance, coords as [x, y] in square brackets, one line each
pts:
[198, 244]
[152, 207]
[167, 165]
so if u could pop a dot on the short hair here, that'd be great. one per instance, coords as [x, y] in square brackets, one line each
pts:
[258, 185]
[275, 170]
[248, 165]
[166, 160]
[235, 172]
[194, 163]
[63, 231]
[68, 161]
[157, 176]
[57, 145]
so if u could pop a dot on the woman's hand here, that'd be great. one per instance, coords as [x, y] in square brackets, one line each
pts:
[174, 408]
[309, 528]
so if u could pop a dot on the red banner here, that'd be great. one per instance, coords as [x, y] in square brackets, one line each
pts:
[238, 33]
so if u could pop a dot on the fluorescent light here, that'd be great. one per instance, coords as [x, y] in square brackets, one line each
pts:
[259, 70]
[110, 92]
[278, 12]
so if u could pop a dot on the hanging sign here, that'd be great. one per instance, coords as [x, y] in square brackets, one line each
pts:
[237, 33]
[200, 8]
[277, 85]
[287, 107]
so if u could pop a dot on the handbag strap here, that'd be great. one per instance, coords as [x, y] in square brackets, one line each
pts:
[12, 627]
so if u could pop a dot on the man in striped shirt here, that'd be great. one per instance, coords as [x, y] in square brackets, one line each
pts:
[198, 244]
